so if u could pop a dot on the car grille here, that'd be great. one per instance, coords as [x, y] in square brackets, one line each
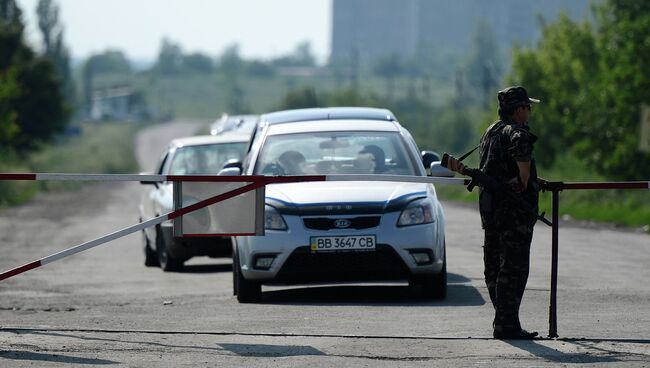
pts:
[326, 223]
[382, 264]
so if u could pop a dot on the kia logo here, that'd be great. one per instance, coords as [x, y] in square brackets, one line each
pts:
[342, 223]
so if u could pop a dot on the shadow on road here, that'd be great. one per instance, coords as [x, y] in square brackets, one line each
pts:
[590, 355]
[206, 268]
[457, 295]
[266, 351]
[28, 355]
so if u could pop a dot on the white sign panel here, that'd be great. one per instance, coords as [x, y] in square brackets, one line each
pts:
[239, 215]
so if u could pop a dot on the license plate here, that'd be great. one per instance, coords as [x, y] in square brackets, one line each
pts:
[342, 243]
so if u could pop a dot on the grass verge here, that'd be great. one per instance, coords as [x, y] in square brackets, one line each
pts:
[101, 148]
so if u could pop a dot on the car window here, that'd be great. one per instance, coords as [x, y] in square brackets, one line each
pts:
[334, 153]
[205, 159]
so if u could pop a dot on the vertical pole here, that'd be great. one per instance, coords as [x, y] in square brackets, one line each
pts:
[552, 320]
[177, 190]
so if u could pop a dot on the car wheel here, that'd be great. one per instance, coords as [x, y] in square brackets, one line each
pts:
[150, 256]
[165, 260]
[247, 291]
[432, 286]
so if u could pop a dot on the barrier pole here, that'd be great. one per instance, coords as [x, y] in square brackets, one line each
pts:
[552, 320]
[129, 230]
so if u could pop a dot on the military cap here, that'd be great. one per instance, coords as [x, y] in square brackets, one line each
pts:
[514, 96]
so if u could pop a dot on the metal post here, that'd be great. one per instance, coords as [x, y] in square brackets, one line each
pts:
[552, 332]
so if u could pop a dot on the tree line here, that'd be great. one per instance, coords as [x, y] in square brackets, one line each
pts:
[593, 79]
[35, 86]
[592, 76]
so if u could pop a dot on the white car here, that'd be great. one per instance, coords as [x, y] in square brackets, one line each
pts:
[200, 155]
[234, 123]
[341, 231]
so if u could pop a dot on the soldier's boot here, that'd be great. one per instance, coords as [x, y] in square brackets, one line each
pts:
[513, 334]
[507, 327]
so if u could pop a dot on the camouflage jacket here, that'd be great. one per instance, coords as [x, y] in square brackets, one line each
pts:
[502, 145]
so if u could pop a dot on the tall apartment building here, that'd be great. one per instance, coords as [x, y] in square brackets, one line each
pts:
[365, 30]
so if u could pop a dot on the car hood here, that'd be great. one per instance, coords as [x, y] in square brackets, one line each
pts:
[344, 197]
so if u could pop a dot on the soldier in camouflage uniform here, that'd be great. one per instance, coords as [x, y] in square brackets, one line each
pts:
[506, 154]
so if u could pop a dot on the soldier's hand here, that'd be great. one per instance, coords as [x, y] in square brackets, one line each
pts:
[455, 165]
[542, 184]
[515, 185]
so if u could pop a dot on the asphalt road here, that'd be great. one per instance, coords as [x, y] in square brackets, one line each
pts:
[103, 307]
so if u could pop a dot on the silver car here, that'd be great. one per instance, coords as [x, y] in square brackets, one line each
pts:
[200, 155]
[234, 123]
[341, 231]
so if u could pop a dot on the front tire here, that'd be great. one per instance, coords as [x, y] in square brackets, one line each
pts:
[166, 261]
[150, 256]
[247, 291]
[432, 286]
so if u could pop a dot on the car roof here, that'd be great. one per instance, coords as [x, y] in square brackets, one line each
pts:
[333, 126]
[199, 140]
[230, 123]
[328, 113]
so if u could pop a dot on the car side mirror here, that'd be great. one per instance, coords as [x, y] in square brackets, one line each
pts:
[438, 170]
[147, 182]
[232, 163]
[428, 157]
[230, 171]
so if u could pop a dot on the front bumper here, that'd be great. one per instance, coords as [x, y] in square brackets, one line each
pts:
[294, 263]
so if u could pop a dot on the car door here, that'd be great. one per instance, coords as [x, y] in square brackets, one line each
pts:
[152, 195]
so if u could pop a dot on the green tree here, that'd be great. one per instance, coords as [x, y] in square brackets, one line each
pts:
[11, 30]
[198, 63]
[55, 49]
[32, 109]
[8, 126]
[258, 68]
[624, 41]
[11, 33]
[230, 61]
[563, 71]
[300, 99]
[170, 58]
[389, 67]
[302, 55]
[593, 81]
[40, 107]
[484, 64]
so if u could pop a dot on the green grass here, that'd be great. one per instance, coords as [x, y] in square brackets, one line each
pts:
[15, 192]
[101, 148]
[622, 207]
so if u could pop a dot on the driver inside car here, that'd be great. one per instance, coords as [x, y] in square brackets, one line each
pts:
[371, 160]
[292, 163]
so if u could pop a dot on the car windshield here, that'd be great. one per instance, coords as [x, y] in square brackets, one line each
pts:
[205, 159]
[334, 153]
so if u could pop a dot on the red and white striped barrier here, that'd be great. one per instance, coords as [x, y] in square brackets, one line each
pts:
[231, 179]
[255, 182]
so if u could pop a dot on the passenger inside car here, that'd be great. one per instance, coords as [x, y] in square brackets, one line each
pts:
[371, 160]
[292, 163]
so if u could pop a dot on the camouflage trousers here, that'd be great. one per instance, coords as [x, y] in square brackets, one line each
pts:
[506, 254]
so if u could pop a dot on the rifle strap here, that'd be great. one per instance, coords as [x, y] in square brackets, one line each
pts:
[493, 133]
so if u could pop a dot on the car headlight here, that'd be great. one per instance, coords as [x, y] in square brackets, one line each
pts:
[273, 220]
[417, 212]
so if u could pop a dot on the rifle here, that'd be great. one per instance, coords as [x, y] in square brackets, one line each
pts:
[486, 182]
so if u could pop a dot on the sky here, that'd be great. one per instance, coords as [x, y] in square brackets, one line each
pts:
[262, 28]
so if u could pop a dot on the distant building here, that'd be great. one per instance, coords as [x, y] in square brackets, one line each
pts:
[366, 30]
[116, 103]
